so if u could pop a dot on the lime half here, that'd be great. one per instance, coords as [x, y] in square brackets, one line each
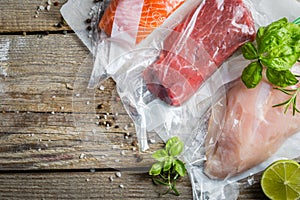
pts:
[281, 180]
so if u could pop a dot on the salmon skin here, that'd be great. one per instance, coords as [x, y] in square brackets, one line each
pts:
[153, 14]
[210, 34]
[252, 129]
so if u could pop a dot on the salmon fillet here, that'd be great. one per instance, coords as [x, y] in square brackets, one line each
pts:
[154, 12]
[253, 130]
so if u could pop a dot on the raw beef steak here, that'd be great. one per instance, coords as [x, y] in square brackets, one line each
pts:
[197, 47]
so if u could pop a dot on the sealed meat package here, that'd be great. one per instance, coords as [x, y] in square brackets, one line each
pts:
[124, 26]
[120, 16]
[209, 35]
[252, 130]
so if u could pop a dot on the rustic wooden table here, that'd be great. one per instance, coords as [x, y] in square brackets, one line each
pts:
[53, 140]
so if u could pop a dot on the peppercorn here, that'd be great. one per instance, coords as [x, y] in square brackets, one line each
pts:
[88, 21]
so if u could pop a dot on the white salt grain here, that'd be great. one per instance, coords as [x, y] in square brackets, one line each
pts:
[41, 8]
[82, 156]
[250, 180]
[152, 141]
[123, 153]
[102, 88]
[118, 174]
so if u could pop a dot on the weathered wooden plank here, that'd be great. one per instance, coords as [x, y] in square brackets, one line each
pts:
[99, 185]
[49, 119]
[23, 16]
[84, 185]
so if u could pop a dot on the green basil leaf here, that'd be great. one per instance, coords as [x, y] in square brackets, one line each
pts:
[279, 45]
[264, 33]
[259, 35]
[156, 169]
[249, 51]
[280, 57]
[176, 148]
[281, 78]
[180, 167]
[168, 163]
[171, 142]
[252, 74]
[160, 155]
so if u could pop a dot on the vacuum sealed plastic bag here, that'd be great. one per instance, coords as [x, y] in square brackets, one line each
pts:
[210, 35]
[122, 28]
[138, 18]
[252, 129]
[239, 136]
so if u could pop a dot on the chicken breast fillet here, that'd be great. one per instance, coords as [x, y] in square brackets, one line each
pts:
[245, 129]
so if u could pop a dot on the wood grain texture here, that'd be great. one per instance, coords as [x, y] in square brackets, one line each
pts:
[19, 16]
[85, 185]
[49, 119]
[101, 185]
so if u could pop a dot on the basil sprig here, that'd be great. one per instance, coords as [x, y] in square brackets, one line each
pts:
[168, 168]
[277, 48]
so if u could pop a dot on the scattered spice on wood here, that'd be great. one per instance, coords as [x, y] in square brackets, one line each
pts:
[82, 156]
[101, 88]
[152, 141]
[100, 106]
[134, 143]
[69, 86]
[58, 25]
[123, 153]
[118, 174]
[48, 7]
[139, 157]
